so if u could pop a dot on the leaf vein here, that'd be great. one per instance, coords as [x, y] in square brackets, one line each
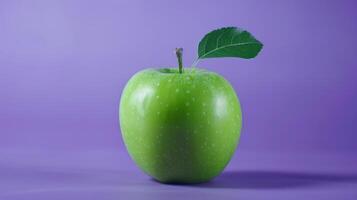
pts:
[230, 45]
[219, 37]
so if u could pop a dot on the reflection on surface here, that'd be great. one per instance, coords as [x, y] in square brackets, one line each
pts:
[141, 97]
[277, 179]
[21, 182]
[220, 106]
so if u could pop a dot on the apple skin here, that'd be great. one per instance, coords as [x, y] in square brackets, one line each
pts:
[180, 128]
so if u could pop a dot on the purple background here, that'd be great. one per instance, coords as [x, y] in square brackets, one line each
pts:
[63, 65]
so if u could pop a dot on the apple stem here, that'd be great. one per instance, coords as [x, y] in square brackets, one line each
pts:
[178, 52]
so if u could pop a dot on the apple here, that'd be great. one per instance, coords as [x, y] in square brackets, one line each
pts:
[180, 127]
[183, 126]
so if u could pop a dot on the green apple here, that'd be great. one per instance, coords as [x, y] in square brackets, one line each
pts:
[180, 127]
[183, 126]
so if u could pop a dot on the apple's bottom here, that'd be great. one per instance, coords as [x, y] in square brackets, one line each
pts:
[182, 182]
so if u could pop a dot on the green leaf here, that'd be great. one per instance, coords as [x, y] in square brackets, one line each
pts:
[229, 42]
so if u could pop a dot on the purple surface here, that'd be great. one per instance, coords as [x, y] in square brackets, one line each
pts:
[63, 65]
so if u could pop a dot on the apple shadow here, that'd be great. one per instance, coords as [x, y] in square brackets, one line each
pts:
[277, 179]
